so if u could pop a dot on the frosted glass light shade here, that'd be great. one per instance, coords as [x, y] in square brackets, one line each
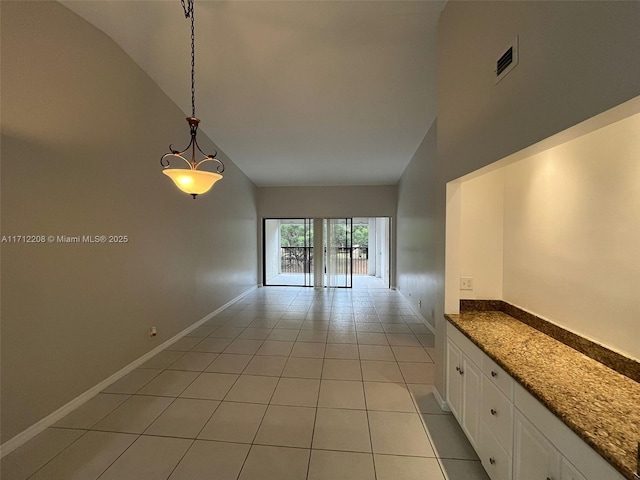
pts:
[194, 182]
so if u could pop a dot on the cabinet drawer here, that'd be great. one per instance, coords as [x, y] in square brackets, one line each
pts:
[498, 376]
[494, 459]
[497, 414]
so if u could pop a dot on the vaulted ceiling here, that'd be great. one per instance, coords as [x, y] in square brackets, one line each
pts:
[294, 92]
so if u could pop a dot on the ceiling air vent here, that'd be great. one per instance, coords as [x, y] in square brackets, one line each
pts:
[507, 60]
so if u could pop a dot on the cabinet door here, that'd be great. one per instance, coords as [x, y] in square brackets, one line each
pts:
[471, 400]
[569, 472]
[454, 380]
[535, 458]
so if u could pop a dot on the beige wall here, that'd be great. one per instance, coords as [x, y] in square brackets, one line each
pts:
[83, 129]
[417, 230]
[566, 75]
[327, 202]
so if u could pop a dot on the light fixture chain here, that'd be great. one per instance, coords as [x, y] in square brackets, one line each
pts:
[188, 13]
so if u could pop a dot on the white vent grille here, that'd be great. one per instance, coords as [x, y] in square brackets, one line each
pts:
[507, 60]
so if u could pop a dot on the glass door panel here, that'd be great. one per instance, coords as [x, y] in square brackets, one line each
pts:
[288, 252]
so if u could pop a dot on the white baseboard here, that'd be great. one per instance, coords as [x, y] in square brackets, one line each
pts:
[441, 402]
[417, 312]
[26, 435]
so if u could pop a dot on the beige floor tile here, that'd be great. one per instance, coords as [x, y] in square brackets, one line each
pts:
[253, 333]
[252, 389]
[300, 392]
[227, 332]
[369, 327]
[391, 467]
[162, 360]
[308, 350]
[90, 413]
[428, 340]
[287, 426]
[270, 347]
[290, 323]
[425, 400]
[169, 383]
[283, 335]
[193, 361]
[341, 337]
[210, 386]
[390, 397]
[234, 422]
[411, 354]
[341, 394]
[313, 336]
[418, 372]
[202, 331]
[244, 347]
[396, 433]
[303, 368]
[342, 326]
[204, 458]
[365, 338]
[229, 363]
[275, 463]
[377, 371]
[338, 429]
[212, 345]
[342, 351]
[134, 415]
[403, 339]
[26, 459]
[183, 418]
[86, 458]
[149, 458]
[326, 465]
[133, 381]
[338, 369]
[397, 328]
[184, 344]
[467, 469]
[376, 352]
[266, 366]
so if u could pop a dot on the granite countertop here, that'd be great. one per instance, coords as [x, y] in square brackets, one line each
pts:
[597, 403]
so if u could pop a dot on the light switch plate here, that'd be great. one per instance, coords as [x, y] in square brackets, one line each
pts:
[466, 283]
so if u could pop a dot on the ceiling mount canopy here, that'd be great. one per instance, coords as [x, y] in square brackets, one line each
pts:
[191, 180]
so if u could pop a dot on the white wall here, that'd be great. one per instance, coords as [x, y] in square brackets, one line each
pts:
[481, 233]
[83, 129]
[572, 232]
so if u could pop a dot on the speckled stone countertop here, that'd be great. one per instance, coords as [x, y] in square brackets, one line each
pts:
[596, 402]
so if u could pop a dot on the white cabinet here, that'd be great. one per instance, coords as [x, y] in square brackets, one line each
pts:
[535, 458]
[569, 472]
[454, 379]
[515, 436]
[470, 400]
[463, 385]
[497, 414]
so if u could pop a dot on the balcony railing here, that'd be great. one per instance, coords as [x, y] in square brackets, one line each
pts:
[300, 260]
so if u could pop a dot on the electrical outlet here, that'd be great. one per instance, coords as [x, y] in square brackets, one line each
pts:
[466, 283]
[420, 303]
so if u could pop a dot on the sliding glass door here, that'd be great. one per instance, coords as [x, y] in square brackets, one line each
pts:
[288, 252]
[338, 257]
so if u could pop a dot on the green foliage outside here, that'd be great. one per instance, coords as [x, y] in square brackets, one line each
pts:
[296, 236]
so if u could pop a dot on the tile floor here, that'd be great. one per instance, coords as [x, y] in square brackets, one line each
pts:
[288, 383]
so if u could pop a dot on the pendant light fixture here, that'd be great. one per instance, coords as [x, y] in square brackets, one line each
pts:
[191, 180]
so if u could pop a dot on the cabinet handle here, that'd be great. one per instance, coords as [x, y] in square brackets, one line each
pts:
[493, 412]
[495, 374]
[492, 461]
[549, 478]
[457, 369]
[461, 372]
